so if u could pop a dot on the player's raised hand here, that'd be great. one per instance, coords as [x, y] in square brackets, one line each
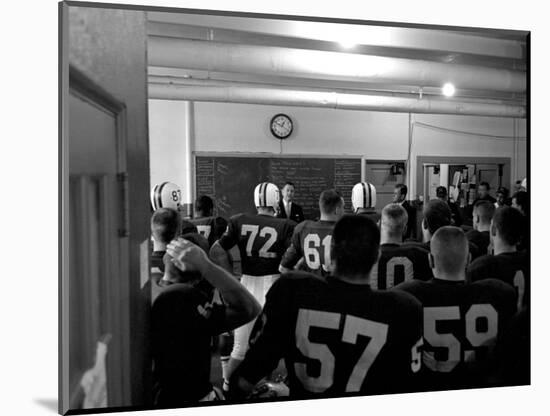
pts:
[186, 255]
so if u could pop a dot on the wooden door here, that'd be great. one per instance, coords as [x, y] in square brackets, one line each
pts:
[490, 173]
[379, 174]
[104, 148]
[98, 243]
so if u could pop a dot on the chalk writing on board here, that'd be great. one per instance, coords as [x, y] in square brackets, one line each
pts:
[231, 180]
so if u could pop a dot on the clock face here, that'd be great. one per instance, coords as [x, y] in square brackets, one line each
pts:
[281, 126]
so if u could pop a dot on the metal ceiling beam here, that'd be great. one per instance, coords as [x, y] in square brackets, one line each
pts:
[287, 97]
[361, 34]
[423, 51]
[223, 57]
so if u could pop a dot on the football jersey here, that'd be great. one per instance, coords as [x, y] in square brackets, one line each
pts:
[336, 337]
[310, 240]
[372, 214]
[183, 320]
[461, 324]
[400, 263]
[512, 268]
[481, 239]
[211, 228]
[262, 241]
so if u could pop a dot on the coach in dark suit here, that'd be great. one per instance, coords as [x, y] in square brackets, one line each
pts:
[399, 197]
[288, 208]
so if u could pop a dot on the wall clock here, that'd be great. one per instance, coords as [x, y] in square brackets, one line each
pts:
[281, 126]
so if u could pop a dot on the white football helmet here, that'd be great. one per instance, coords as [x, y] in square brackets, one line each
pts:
[363, 195]
[166, 195]
[267, 194]
[524, 183]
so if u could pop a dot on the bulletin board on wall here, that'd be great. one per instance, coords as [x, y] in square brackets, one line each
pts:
[230, 178]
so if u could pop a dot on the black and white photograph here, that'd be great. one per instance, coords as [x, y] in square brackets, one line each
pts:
[262, 207]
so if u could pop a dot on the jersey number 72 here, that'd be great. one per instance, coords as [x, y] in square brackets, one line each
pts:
[254, 230]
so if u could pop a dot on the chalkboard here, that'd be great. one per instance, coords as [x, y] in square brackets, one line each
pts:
[230, 180]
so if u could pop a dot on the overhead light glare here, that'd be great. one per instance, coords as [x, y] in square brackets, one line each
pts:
[347, 44]
[448, 90]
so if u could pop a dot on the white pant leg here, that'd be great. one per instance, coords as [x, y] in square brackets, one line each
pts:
[258, 286]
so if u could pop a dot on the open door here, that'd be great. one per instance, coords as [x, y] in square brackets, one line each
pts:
[104, 170]
[384, 175]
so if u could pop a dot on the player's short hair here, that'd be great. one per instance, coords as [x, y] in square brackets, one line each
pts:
[437, 214]
[504, 191]
[329, 201]
[449, 248]
[522, 200]
[204, 204]
[402, 188]
[165, 224]
[184, 276]
[355, 245]
[394, 219]
[485, 210]
[441, 192]
[485, 184]
[509, 224]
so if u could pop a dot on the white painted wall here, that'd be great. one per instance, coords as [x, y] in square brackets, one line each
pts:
[221, 127]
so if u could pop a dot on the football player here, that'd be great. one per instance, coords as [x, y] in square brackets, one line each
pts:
[456, 217]
[207, 224]
[184, 318]
[166, 195]
[400, 197]
[520, 201]
[165, 226]
[437, 214]
[336, 334]
[482, 215]
[461, 321]
[398, 262]
[508, 264]
[262, 240]
[312, 239]
[363, 200]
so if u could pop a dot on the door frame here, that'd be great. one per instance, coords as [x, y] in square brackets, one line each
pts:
[116, 315]
[374, 161]
[461, 160]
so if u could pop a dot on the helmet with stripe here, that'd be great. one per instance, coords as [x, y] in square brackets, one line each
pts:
[166, 195]
[267, 194]
[363, 195]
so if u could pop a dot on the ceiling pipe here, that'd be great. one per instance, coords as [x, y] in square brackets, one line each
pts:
[300, 98]
[304, 63]
[156, 79]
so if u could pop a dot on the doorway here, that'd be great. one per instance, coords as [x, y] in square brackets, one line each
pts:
[98, 241]
[384, 175]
